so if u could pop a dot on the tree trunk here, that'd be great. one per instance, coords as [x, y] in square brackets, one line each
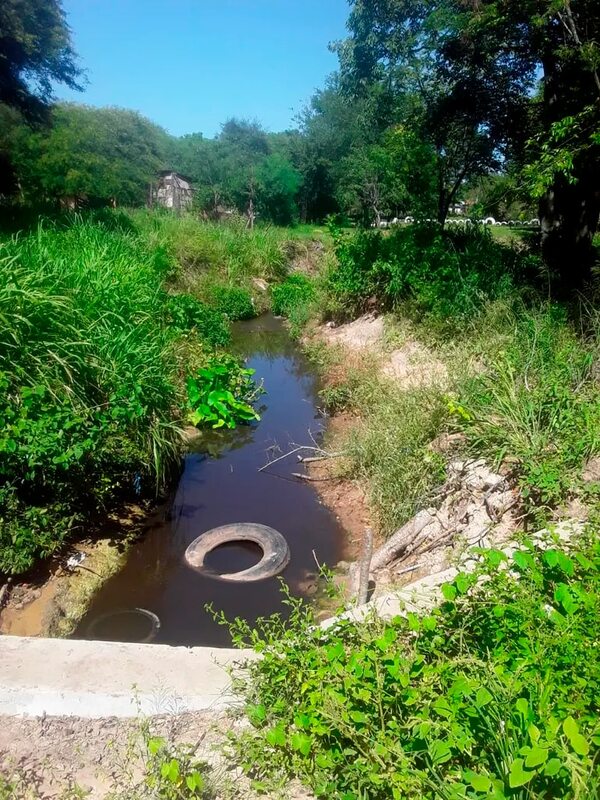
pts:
[569, 218]
[569, 211]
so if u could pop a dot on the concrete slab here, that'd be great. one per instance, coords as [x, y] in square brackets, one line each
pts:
[67, 677]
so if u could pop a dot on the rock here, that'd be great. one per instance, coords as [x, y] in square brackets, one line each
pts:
[475, 475]
[498, 503]
[591, 472]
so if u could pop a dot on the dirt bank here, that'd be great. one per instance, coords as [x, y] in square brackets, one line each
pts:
[52, 600]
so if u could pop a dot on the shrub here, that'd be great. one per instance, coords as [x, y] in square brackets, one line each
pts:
[447, 274]
[493, 694]
[233, 302]
[187, 313]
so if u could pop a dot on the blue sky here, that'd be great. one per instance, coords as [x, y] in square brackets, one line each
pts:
[191, 64]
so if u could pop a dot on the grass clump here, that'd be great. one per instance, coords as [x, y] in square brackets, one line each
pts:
[88, 371]
[233, 302]
[294, 298]
[187, 313]
[493, 694]
[226, 252]
[535, 404]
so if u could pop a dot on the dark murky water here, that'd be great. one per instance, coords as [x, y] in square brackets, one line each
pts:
[221, 484]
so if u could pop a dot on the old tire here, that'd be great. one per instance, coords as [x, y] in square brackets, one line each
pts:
[276, 552]
[151, 618]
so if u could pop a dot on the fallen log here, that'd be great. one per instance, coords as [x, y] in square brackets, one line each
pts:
[400, 540]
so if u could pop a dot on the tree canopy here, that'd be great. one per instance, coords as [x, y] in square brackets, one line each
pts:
[35, 52]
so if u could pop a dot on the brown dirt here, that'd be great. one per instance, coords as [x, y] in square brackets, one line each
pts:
[50, 601]
[346, 497]
[68, 757]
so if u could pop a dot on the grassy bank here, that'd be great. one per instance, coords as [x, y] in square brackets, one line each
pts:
[493, 694]
[102, 321]
[519, 370]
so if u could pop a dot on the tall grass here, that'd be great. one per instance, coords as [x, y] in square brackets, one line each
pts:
[89, 377]
[216, 252]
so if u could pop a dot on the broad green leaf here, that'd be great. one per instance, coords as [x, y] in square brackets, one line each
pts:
[480, 782]
[518, 776]
[449, 591]
[483, 697]
[536, 756]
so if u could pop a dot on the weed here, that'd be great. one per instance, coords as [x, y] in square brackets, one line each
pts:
[221, 394]
[493, 694]
[233, 302]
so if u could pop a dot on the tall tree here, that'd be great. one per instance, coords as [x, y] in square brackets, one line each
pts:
[476, 64]
[35, 52]
[104, 153]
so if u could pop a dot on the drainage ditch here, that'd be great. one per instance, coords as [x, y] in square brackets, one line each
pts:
[158, 596]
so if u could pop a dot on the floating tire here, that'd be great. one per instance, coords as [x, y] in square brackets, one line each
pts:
[149, 616]
[276, 552]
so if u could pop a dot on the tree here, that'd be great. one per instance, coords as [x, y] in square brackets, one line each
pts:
[35, 52]
[278, 184]
[476, 64]
[100, 153]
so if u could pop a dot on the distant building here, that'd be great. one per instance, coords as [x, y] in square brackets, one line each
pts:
[172, 190]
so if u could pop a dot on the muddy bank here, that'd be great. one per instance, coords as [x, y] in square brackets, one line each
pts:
[52, 599]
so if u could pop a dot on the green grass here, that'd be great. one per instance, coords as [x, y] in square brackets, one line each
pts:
[88, 369]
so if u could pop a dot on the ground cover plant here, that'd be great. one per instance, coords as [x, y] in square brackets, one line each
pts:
[96, 342]
[493, 694]
[222, 393]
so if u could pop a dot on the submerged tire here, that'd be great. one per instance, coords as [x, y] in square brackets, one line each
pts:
[150, 617]
[276, 552]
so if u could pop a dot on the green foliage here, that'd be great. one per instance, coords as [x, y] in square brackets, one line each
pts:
[221, 394]
[92, 154]
[212, 253]
[35, 52]
[88, 375]
[296, 290]
[233, 302]
[188, 313]
[536, 405]
[174, 772]
[493, 694]
[448, 275]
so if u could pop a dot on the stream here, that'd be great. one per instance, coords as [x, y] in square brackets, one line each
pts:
[221, 484]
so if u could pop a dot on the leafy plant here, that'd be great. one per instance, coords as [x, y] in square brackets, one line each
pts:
[296, 290]
[448, 275]
[174, 773]
[233, 302]
[188, 313]
[221, 394]
[493, 694]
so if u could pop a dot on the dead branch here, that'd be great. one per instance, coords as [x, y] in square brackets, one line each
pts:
[399, 541]
[304, 477]
[365, 564]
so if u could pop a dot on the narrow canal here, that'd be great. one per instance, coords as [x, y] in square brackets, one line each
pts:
[221, 484]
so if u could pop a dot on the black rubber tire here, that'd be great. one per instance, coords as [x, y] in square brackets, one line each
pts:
[150, 615]
[276, 552]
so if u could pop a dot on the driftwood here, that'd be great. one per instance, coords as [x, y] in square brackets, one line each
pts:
[401, 540]
[365, 564]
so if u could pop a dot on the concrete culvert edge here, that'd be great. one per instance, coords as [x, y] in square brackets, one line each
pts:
[276, 552]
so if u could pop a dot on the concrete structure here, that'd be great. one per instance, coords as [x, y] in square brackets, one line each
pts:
[67, 677]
